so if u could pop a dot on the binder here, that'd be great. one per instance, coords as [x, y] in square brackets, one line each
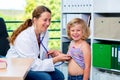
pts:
[102, 55]
[113, 57]
[118, 57]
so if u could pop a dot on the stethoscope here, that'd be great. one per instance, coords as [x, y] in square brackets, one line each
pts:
[41, 43]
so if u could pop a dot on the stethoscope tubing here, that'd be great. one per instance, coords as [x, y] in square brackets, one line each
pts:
[46, 49]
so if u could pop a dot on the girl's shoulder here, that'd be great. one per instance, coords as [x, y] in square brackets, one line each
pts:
[85, 45]
[71, 43]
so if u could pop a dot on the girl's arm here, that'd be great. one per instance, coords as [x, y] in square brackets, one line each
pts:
[87, 59]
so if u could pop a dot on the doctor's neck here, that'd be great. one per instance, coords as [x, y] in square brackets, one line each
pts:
[37, 32]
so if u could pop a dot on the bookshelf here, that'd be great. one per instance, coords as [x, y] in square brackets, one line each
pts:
[104, 25]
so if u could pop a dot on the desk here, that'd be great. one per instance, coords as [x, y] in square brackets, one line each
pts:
[17, 69]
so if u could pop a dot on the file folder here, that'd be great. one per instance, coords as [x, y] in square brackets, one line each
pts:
[102, 55]
[113, 57]
[118, 57]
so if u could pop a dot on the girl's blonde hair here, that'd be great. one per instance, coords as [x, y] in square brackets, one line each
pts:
[85, 28]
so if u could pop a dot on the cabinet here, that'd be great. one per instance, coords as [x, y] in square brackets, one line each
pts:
[103, 18]
[73, 9]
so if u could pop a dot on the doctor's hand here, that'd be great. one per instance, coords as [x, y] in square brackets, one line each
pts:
[54, 53]
[61, 57]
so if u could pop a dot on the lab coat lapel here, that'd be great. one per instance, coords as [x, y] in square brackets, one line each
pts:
[35, 43]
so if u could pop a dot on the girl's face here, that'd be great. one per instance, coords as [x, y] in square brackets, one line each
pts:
[43, 22]
[76, 32]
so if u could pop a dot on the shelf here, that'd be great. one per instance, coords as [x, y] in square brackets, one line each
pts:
[106, 34]
[104, 39]
[65, 36]
[106, 11]
[82, 12]
[105, 14]
[114, 71]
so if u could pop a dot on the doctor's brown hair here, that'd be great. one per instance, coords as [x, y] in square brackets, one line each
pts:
[36, 14]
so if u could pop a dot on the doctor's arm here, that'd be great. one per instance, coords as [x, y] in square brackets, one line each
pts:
[28, 48]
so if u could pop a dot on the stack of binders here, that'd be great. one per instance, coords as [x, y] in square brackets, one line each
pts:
[106, 56]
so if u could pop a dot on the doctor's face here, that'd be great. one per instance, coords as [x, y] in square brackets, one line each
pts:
[43, 22]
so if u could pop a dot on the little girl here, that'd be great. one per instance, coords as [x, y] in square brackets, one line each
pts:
[79, 50]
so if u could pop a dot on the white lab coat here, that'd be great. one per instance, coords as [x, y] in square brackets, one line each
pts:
[26, 45]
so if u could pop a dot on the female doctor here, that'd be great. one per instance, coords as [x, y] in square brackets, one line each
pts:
[30, 40]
